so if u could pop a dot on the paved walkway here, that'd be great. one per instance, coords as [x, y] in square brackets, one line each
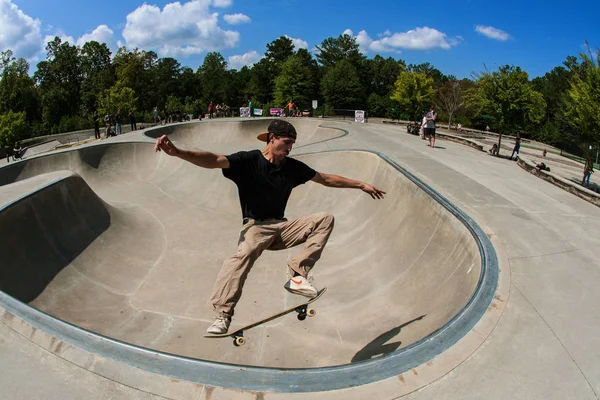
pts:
[546, 344]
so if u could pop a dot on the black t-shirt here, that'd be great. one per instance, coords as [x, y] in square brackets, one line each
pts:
[263, 187]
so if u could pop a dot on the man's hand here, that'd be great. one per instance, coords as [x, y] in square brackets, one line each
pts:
[163, 143]
[374, 192]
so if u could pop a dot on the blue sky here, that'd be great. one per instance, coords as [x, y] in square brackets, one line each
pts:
[457, 37]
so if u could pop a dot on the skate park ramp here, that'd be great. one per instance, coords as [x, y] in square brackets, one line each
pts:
[126, 243]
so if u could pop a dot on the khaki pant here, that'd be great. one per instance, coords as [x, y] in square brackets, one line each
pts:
[257, 237]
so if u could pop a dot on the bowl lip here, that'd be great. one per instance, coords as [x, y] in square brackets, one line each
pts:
[290, 380]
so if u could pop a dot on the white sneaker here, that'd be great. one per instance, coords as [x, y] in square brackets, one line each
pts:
[221, 325]
[300, 285]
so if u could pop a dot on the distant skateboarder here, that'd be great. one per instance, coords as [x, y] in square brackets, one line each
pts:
[265, 180]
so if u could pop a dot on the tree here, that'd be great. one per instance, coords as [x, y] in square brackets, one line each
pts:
[341, 87]
[17, 88]
[116, 98]
[508, 97]
[261, 83]
[98, 73]
[414, 91]
[279, 50]
[583, 105]
[383, 74]
[13, 127]
[426, 68]
[166, 75]
[59, 79]
[213, 77]
[295, 82]
[333, 50]
[450, 98]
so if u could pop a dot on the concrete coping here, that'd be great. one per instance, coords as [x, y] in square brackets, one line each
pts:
[461, 140]
[549, 176]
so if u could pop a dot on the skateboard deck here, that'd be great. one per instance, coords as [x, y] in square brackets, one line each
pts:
[301, 309]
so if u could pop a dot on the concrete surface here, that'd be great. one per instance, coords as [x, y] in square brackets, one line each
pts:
[545, 345]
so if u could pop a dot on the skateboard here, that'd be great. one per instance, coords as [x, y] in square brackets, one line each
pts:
[301, 309]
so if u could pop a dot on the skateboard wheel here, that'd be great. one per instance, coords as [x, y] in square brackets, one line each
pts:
[239, 341]
[302, 317]
[311, 312]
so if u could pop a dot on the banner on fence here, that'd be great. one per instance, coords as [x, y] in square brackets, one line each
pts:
[359, 116]
[278, 112]
[244, 112]
[258, 111]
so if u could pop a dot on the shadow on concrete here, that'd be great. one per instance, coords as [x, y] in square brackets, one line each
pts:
[378, 346]
[11, 172]
[45, 232]
[92, 156]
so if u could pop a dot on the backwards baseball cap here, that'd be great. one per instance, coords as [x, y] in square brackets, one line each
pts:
[278, 127]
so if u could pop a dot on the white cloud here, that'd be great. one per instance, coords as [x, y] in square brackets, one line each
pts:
[236, 19]
[19, 32]
[102, 34]
[298, 43]
[247, 59]
[222, 3]
[179, 30]
[492, 33]
[423, 38]
[386, 33]
[348, 32]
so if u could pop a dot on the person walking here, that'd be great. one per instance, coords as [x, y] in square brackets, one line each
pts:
[588, 170]
[430, 126]
[107, 125]
[265, 179]
[132, 120]
[517, 146]
[210, 110]
[118, 129]
[96, 119]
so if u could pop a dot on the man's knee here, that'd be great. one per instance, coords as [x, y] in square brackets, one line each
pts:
[326, 219]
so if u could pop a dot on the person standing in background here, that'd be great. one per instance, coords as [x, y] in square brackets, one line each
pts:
[430, 126]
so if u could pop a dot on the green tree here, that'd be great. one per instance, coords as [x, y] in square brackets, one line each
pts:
[13, 127]
[508, 97]
[279, 50]
[383, 74]
[166, 76]
[414, 91]
[136, 70]
[341, 87]
[17, 89]
[98, 73]
[59, 79]
[295, 82]
[116, 98]
[426, 68]
[583, 101]
[344, 47]
[261, 83]
[213, 77]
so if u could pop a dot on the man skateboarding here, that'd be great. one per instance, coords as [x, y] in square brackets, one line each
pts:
[265, 179]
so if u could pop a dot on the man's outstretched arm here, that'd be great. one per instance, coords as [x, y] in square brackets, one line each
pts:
[337, 181]
[200, 158]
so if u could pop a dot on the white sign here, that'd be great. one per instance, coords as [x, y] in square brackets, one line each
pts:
[258, 111]
[359, 116]
[315, 104]
[244, 111]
